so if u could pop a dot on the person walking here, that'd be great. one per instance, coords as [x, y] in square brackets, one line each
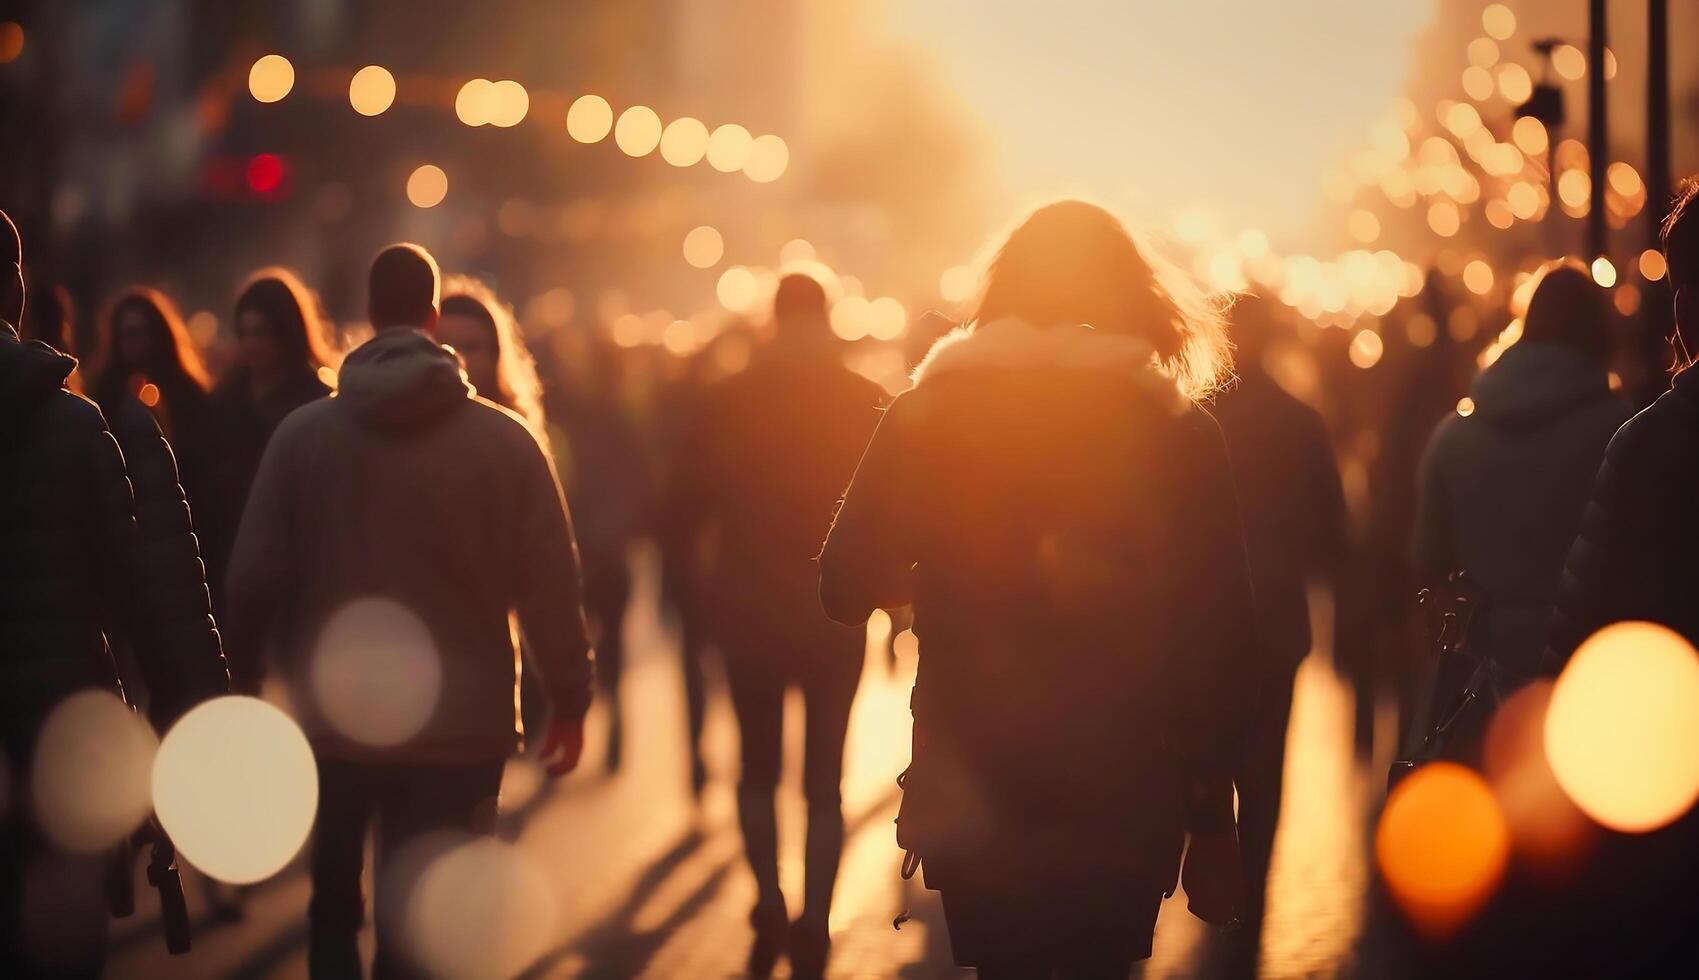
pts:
[769, 451]
[1059, 510]
[1293, 505]
[391, 533]
[76, 577]
[280, 356]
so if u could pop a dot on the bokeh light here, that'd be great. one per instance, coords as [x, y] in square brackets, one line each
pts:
[886, 318]
[768, 159]
[1366, 349]
[1530, 136]
[1478, 277]
[590, 119]
[1465, 407]
[1570, 61]
[1622, 732]
[11, 41]
[1478, 83]
[1514, 83]
[1543, 823]
[473, 907]
[729, 148]
[507, 103]
[1363, 226]
[1444, 218]
[638, 131]
[737, 289]
[1483, 51]
[372, 90]
[796, 252]
[957, 284]
[235, 786]
[851, 318]
[271, 78]
[1652, 265]
[703, 246]
[265, 173]
[475, 101]
[1604, 272]
[1498, 21]
[684, 142]
[427, 186]
[89, 778]
[1441, 846]
[376, 673]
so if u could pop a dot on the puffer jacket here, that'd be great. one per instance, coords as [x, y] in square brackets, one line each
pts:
[406, 488]
[1502, 490]
[1635, 556]
[1064, 524]
[76, 571]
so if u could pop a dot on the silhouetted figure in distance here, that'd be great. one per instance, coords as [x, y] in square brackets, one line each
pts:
[770, 450]
[1293, 508]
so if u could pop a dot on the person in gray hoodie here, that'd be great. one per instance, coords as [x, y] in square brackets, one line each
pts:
[1502, 489]
[391, 533]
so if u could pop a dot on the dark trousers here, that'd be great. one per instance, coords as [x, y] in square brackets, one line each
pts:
[758, 681]
[403, 803]
[1259, 776]
[1074, 935]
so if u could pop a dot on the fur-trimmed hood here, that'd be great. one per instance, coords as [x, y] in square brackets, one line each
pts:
[1016, 344]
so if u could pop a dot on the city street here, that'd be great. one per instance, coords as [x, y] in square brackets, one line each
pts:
[649, 885]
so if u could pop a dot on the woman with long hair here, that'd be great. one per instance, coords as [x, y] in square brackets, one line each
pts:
[280, 360]
[146, 359]
[1057, 507]
[482, 330]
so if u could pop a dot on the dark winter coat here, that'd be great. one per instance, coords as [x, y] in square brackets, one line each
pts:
[1293, 506]
[1635, 556]
[768, 455]
[1063, 523]
[1502, 490]
[406, 487]
[238, 430]
[76, 571]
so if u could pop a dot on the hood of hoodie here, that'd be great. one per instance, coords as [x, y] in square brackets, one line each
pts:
[401, 381]
[29, 371]
[1532, 383]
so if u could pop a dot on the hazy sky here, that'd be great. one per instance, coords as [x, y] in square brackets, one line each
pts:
[1241, 106]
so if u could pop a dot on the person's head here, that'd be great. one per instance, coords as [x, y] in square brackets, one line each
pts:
[11, 271]
[799, 309]
[278, 328]
[1073, 263]
[1568, 307]
[143, 334]
[1681, 255]
[405, 288]
[482, 330]
[1257, 326]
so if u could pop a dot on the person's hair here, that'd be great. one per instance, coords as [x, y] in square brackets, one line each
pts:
[1567, 307]
[405, 287]
[292, 311]
[1071, 263]
[799, 295]
[12, 275]
[175, 366]
[1681, 237]
[517, 385]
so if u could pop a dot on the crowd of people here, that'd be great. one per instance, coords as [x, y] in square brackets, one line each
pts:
[1103, 510]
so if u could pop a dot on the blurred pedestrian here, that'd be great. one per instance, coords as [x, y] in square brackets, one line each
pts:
[770, 450]
[1636, 557]
[74, 577]
[281, 355]
[1502, 490]
[1293, 506]
[147, 360]
[606, 470]
[1061, 515]
[434, 515]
